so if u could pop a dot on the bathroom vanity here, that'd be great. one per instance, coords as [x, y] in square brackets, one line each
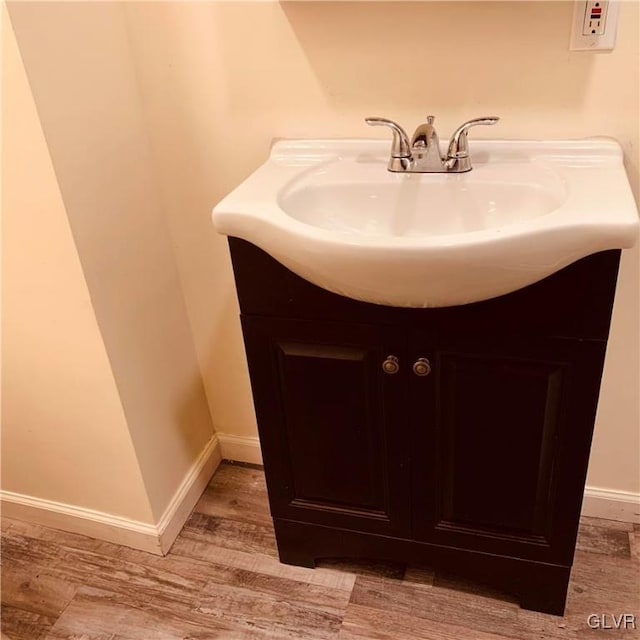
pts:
[457, 437]
[426, 350]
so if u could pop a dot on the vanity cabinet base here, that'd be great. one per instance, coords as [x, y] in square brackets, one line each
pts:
[457, 438]
[538, 586]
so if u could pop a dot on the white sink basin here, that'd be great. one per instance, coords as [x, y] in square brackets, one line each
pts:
[389, 204]
[331, 212]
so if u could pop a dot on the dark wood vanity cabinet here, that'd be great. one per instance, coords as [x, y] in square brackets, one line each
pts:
[457, 438]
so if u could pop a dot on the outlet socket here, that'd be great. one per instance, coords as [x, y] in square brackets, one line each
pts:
[595, 18]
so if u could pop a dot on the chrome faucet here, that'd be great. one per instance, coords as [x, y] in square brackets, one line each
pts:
[422, 153]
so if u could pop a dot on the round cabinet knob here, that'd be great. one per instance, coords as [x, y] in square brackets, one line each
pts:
[390, 365]
[422, 367]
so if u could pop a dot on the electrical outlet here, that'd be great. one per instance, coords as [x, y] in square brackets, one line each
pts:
[595, 18]
[595, 24]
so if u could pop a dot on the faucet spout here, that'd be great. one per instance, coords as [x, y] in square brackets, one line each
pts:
[425, 147]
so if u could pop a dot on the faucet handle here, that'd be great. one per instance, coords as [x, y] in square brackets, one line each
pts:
[458, 145]
[400, 147]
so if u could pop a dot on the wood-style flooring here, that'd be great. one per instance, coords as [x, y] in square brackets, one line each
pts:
[222, 579]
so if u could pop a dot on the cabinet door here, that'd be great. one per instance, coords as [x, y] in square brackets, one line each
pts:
[332, 424]
[502, 443]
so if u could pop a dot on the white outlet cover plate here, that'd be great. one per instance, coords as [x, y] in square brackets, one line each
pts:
[605, 42]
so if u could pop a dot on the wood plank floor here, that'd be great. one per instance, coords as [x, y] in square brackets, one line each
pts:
[222, 579]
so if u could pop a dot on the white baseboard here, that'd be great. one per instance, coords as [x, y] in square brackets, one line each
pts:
[611, 505]
[240, 448]
[88, 522]
[105, 526]
[188, 493]
[600, 503]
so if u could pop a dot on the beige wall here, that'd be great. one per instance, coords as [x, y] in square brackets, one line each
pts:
[221, 80]
[78, 61]
[153, 111]
[64, 434]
